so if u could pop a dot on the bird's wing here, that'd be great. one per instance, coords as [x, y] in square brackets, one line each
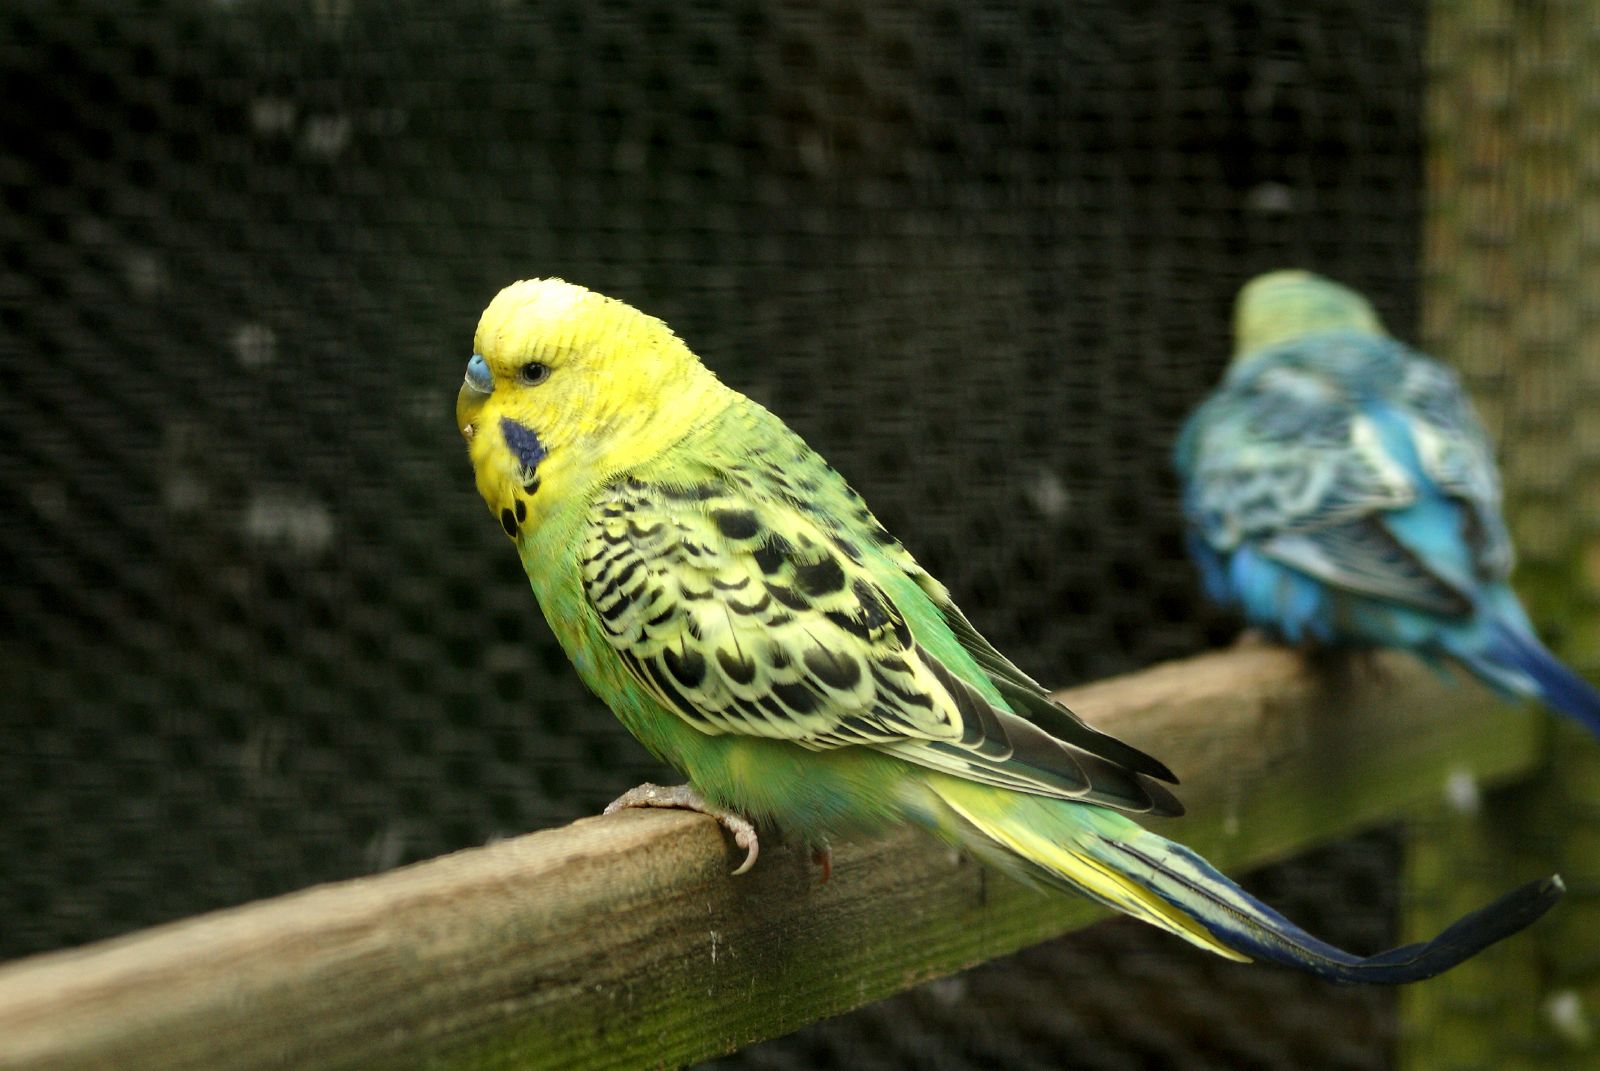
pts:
[1288, 460]
[743, 613]
[1030, 700]
[1455, 453]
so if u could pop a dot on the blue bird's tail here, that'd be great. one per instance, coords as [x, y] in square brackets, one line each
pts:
[1513, 661]
[1110, 858]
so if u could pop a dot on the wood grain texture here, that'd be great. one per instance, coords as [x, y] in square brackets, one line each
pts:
[622, 941]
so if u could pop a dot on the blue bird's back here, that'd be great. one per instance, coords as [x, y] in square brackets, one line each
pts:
[1338, 489]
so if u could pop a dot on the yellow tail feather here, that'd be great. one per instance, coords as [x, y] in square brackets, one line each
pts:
[1019, 824]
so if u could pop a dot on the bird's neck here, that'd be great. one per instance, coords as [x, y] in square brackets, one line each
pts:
[622, 440]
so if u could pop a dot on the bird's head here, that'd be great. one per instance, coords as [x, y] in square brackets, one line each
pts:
[566, 388]
[1284, 305]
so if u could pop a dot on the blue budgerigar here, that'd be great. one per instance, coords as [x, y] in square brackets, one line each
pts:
[1338, 489]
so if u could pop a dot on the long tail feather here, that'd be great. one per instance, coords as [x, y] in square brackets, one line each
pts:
[1111, 859]
[1514, 660]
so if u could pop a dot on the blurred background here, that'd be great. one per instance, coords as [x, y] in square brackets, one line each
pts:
[256, 628]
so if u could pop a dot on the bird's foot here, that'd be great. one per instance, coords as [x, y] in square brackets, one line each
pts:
[1253, 637]
[685, 798]
[823, 857]
[1370, 659]
[1345, 667]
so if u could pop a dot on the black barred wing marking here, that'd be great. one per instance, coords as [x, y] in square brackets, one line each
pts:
[740, 628]
[746, 615]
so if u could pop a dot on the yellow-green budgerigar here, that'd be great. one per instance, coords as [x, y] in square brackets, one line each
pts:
[739, 608]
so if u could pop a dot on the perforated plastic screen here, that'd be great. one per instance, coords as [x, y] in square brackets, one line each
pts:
[257, 631]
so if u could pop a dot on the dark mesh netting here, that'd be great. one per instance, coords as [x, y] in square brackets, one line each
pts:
[257, 630]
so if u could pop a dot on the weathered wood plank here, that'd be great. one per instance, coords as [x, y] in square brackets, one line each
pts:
[623, 941]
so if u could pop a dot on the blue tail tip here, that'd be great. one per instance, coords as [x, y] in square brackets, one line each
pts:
[1512, 913]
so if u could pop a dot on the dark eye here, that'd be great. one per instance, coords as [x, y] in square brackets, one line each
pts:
[533, 373]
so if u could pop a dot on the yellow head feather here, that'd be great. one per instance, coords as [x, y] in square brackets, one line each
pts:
[573, 388]
[1283, 305]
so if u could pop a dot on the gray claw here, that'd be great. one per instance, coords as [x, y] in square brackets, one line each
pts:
[685, 798]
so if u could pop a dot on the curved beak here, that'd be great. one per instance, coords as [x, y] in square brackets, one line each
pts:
[475, 390]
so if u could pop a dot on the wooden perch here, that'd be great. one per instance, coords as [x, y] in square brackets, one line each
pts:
[623, 941]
